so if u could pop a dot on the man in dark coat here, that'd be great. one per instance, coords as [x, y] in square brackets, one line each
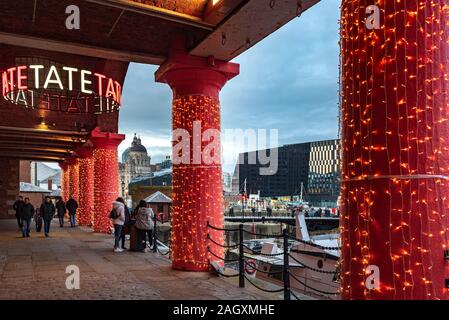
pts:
[61, 209]
[47, 212]
[17, 206]
[26, 215]
[71, 206]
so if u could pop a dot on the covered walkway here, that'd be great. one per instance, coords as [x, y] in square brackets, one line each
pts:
[34, 268]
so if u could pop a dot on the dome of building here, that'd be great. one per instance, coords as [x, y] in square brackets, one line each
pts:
[136, 149]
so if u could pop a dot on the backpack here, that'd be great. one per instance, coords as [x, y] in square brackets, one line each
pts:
[113, 214]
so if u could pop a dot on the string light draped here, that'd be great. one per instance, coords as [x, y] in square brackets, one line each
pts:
[395, 133]
[86, 187]
[105, 157]
[197, 185]
[64, 181]
[197, 190]
[73, 177]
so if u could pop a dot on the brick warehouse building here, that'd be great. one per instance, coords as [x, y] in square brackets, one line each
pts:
[394, 118]
[61, 91]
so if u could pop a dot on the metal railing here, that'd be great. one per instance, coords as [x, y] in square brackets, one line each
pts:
[286, 255]
[157, 242]
[243, 263]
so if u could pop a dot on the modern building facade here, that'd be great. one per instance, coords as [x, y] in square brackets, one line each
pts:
[314, 165]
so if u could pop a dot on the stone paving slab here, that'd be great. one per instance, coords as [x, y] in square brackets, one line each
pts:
[34, 268]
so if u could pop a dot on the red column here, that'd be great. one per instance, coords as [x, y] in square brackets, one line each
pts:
[105, 159]
[64, 181]
[197, 185]
[86, 186]
[395, 142]
[73, 177]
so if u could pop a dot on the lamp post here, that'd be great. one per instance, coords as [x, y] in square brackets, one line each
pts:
[123, 189]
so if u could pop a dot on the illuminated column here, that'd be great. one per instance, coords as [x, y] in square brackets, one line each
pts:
[64, 181]
[197, 183]
[395, 143]
[105, 159]
[73, 177]
[86, 186]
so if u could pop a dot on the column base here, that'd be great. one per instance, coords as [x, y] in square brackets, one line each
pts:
[190, 266]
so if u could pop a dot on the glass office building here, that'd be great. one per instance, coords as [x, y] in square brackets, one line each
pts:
[315, 165]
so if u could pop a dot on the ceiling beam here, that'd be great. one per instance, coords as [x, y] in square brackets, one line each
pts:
[33, 157]
[45, 143]
[24, 137]
[25, 148]
[247, 25]
[44, 131]
[78, 48]
[156, 12]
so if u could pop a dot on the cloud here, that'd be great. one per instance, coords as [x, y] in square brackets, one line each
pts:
[287, 82]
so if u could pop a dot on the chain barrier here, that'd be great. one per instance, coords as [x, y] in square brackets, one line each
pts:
[314, 244]
[244, 265]
[262, 289]
[220, 258]
[312, 288]
[312, 268]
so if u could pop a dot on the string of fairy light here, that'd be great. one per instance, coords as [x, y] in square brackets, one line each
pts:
[105, 186]
[92, 179]
[86, 188]
[197, 189]
[394, 142]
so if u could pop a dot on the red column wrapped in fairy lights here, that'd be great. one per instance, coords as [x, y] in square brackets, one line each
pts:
[105, 159]
[197, 185]
[395, 143]
[73, 177]
[64, 181]
[86, 186]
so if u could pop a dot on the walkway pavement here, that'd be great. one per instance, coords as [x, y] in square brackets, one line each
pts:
[34, 268]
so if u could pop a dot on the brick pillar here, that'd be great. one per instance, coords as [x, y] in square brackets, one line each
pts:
[197, 183]
[64, 181]
[73, 176]
[395, 143]
[86, 186]
[105, 159]
[9, 186]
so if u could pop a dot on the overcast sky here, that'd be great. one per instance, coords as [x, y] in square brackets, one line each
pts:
[287, 82]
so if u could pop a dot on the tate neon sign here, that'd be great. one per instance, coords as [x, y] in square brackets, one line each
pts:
[63, 89]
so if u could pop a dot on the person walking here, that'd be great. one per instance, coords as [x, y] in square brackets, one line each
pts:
[17, 206]
[144, 225]
[26, 215]
[38, 219]
[117, 216]
[71, 206]
[61, 209]
[47, 212]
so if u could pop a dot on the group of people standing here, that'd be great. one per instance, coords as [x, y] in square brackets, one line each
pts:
[25, 211]
[139, 225]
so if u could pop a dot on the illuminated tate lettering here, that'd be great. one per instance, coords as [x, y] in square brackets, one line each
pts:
[64, 89]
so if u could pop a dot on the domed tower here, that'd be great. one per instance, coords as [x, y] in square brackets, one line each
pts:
[135, 162]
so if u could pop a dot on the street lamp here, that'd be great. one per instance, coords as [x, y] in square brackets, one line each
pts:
[123, 188]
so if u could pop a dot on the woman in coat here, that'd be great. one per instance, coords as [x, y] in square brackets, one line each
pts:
[118, 220]
[47, 211]
[61, 209]
[144, 224]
